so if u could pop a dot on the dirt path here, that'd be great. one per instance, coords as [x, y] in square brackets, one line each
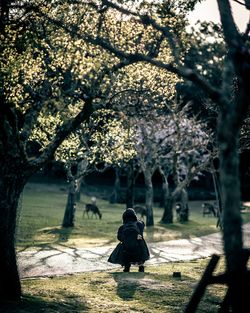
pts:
[61, 260]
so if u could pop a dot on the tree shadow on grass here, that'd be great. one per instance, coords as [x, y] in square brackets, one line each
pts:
[63, 233]
[127, 284]
[48, 236]
[32, 304]
[192, 228]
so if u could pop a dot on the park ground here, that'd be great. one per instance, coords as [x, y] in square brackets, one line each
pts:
[156, 290]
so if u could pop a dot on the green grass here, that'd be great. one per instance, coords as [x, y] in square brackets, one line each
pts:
[113, 291]
[154, 291]
[42, 211]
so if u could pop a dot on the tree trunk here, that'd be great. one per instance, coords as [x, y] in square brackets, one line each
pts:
[218, 199]
[130, 186]
[232, 222]
[168, 202]
[167, 217]
[11, 187]
[78, 189]
[80, 172]
[69, 214]
[184, 213]
[115, 196]
[149, 198]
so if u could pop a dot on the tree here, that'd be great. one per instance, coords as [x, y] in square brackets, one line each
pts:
[188, 155]
[50, 84]
[139, 92]
[146, 145]
[115, 196]
[75, 173]
[232, 98]
[174, 144]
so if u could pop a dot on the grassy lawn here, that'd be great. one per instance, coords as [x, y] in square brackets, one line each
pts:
[42, 211]
[154, 291]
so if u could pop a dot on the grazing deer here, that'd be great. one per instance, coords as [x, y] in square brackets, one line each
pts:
[208, 209]
[178, 211]
[181, 212]
[89, 207]
[140, 210]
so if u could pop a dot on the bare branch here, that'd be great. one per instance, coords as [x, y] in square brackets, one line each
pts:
[239, 2]
[230, 31]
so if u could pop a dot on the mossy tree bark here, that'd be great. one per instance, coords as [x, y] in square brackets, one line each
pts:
[10, 190]
[149, 197]
[115, 197]
[168, 201]
[130, 185]
[69, 214]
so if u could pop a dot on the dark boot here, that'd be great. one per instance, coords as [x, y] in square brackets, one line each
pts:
[141, 268]
[126, 268]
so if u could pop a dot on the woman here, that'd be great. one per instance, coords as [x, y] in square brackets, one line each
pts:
[132, 248]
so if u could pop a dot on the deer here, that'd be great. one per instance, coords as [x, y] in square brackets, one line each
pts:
[90, 207]
[208, 209]
[178, 211]
[181, 211]
[140, 210]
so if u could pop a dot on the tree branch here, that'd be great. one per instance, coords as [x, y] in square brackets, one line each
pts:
[182, 72]
[62, 133]
[147, 20]
[230, 31]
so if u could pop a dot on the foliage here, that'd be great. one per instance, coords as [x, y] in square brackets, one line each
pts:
[205, 56]
[161, 139]
[110, 139]
[48, 75]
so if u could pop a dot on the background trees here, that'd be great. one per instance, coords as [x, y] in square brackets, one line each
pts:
[232, 98]
[58, 65]
[175, 145]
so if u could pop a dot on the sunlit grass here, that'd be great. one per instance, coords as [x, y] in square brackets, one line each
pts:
[112, 291]
[42, 211]
[154, 291]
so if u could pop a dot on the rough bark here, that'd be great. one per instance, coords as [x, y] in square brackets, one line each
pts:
[232, 222]
[12, 181]
[168, 203]
[184, 213]
[149, 198]
[11, 187]
[130, 186]
[230, 119]
[167, 217]
[69, 214]
[115, 196]
[78, 190]
[169, 200]
[217, 190]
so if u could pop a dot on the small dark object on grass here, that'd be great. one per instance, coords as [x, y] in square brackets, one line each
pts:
[177, 274]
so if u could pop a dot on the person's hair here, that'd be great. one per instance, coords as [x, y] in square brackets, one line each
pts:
[129, 215]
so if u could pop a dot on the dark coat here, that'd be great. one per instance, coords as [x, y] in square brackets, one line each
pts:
[119, 254]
